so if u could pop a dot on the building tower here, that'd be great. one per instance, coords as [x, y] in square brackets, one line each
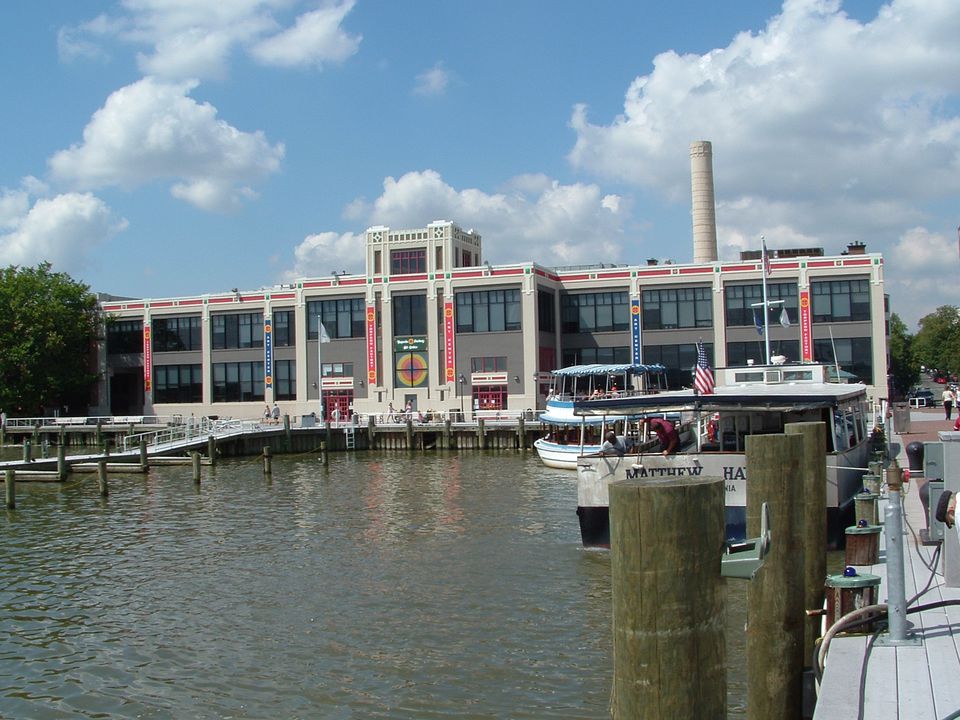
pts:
[703, 208]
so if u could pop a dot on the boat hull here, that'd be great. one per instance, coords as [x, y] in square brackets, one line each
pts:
[563, 457]
[594, 475]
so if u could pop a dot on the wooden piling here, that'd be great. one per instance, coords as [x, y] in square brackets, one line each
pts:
[481, 434]
[10, 487]
[669, 657]
[62, 467]
[324, 454]
[813, 474]
[144, 462]
[775, 597]
[409, 434]
[371, 432]
[268, 459]
[286, 432]
[212, 449]
[27, 451]
[448, 433]
[102, 478]
[521, 433]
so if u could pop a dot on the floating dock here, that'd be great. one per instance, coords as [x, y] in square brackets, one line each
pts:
[865, 678]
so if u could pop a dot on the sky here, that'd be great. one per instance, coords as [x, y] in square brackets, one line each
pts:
[166, 148]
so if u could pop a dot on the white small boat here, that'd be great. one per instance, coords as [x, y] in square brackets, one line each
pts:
[568, 435]
[747, 401]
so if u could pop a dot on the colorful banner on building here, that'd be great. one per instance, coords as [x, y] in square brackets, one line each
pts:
[411, 369]
[449, 354]
[806, 328]
[371, 345]
[147, 359]
[267, 353]
[636, 353]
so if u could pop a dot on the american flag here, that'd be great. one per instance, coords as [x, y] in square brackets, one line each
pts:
[703, 376]
[766, 258]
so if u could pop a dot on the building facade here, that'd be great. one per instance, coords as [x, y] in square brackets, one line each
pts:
[433, 326]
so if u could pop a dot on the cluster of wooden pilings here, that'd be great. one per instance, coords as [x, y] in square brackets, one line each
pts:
[667, 538]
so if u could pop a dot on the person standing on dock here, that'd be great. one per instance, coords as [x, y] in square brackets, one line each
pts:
[266, 413]
[276, 413]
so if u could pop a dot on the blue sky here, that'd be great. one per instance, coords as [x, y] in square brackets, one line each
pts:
[157, 148]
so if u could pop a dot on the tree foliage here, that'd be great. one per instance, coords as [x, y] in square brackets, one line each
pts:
[937, 343]
[904, 367]
[49, 325]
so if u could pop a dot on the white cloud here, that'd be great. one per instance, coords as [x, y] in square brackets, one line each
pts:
[315, 38]
[919, 273]
[432, 82]
[824, 128]
[535, 218]
[63, 230]
[153, 130]
[189, 39]
[325, 252]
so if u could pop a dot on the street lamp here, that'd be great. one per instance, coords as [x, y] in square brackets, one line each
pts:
[461, 379]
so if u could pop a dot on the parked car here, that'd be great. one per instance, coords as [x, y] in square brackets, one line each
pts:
[921, 397]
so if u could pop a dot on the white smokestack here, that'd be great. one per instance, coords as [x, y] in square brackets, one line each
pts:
[703, 210]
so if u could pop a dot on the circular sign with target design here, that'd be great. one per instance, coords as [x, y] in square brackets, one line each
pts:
[412, 369]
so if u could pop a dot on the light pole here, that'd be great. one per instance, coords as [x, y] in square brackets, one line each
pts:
[461, 379]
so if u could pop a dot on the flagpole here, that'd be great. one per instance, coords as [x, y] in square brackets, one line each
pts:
[766, 308]
[320, 368]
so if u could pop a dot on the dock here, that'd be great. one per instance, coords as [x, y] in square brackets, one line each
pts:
[863, 677]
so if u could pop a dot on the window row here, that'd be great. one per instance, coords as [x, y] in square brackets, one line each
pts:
[488, 311]
[231, 382]
[594, 312]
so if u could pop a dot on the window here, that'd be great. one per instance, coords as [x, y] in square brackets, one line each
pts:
[739, 352]
[841, 300]
[409, 315]
[337, 369]
[124, 336]
[853, 355]
[592, 356]
[488, 364]
[177, 384]
[594, 312]
[284, 332]
[408, 261]
[237, 330]
[285, 380]
[238, 381]
[176, 334]
[677, 308]
[739, 298]
[488, 311]
[546, 316]
[679, 360]
[341, 318]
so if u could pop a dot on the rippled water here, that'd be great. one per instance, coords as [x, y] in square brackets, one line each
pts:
[388, 586]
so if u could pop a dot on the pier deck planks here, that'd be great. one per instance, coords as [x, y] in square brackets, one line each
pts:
[905, 682]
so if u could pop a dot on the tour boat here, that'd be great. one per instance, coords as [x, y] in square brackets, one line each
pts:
[746, 401]
[570, 436]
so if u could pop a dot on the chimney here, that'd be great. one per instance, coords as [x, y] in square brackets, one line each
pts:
[703, 207]
[856, 248]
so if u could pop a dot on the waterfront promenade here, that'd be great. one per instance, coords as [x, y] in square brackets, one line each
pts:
[865, 679]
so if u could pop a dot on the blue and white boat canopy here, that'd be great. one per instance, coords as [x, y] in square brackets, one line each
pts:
[606, 369]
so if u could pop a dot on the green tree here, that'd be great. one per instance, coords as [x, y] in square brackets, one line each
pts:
[937, 343]
[49, 325]
[904, 368]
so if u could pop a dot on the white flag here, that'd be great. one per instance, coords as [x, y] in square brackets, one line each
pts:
[323, 334]
[784, 318]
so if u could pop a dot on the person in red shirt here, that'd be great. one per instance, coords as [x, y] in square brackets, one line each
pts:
[666, 433]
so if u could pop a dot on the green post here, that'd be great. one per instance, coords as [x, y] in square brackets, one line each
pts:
[775, 597]
[102, 478]
[669, 656]
[61, 463]
[10, 481]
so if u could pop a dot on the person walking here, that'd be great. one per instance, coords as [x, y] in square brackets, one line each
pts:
[948, 401]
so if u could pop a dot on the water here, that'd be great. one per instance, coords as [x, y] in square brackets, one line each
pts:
[389, 586]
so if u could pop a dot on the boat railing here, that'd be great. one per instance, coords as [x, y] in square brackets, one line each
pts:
[630, 392]
[92, 420]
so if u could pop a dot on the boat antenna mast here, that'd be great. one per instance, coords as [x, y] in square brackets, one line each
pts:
[764, 271]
